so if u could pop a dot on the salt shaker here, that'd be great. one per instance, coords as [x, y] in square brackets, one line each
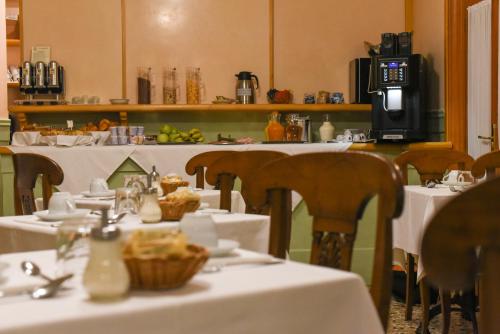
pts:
[150, 211]
[106, 276]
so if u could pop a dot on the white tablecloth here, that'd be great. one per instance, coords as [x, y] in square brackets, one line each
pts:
[81, 164]
[26, 233]
[420, 205]
[208, 196]
[287, 298]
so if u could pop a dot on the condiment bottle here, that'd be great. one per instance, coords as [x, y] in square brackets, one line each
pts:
[293, 129]
[150, 211]
[106, 276]
[327, 130]
[274, 130]
[155, 181]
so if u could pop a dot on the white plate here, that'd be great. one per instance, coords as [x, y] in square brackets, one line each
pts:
[109, 193]
[45, 215]
[215, 211]
[456, 184]
[224, 247]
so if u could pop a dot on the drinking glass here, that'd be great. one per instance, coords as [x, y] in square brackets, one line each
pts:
[127, 200]
[72, 246]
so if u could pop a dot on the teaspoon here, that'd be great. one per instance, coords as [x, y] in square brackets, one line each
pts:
[50, 289]
[32, 269]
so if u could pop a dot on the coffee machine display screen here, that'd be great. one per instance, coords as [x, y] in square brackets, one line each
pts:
[393, 72]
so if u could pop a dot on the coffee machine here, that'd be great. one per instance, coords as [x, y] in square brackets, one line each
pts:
[41, 83]
[398, 88]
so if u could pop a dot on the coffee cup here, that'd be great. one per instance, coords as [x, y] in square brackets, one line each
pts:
[458, 176]
[200, 229]
[98, 185]
[61, 202]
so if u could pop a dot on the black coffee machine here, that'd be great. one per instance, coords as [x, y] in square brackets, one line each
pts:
[398, 88]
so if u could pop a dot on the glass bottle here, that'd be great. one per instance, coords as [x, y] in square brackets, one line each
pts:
[144, 85]
[326, 130]
[171, 90]
[293, 129]
[156, 181]
[194, 85]
[106, 276]
[274, 130]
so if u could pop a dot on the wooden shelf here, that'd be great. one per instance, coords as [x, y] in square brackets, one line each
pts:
[154, 108]
[13, 42]
[13, 84]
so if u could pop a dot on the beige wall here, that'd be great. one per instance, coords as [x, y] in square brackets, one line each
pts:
[85, 37]
[315, 40]
[428, 17]
[222, 37]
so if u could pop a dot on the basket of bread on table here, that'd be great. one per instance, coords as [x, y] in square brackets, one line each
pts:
[38, 135]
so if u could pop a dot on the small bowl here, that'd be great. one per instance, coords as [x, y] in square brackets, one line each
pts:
[119, 101]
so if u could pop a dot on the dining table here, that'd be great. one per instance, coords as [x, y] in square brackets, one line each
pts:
[420, 205]
[283, 297]
[29, 233]
[209, 197]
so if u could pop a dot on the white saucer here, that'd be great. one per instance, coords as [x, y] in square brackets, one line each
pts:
[109, 193]
[456, 184]
[45, 215]
[224, 247]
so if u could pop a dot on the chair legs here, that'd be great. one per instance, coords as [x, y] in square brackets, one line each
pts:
[445, 310]
[410, 281]
[425, 298]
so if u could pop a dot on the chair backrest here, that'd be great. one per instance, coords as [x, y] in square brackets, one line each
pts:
[198, 163]
[242, 165]
[27, 168]
[486, 164]
[450, 244]
[336, 188]
[432, 164]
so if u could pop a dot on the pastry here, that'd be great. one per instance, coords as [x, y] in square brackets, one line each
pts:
[171, 182]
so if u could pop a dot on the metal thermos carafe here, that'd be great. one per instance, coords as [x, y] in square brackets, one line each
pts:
[245, 89]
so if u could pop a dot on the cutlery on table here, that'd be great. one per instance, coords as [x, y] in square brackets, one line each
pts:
[214, 268]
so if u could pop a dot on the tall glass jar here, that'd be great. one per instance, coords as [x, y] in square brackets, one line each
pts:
[293, 129]
[194, 85]
[144, 87]
[171, 90]
[274, 130]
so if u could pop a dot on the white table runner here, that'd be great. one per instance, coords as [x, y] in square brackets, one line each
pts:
[288, 298]
[81, 164]
[23, 233]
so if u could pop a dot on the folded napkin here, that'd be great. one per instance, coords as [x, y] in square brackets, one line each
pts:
[33, 220]
[26, 138]
[242, 257]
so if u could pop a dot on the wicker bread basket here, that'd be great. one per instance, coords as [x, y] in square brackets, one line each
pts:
[170, 187]
[170, 272]
[174, 210]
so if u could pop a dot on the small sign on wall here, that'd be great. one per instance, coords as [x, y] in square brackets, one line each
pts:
[40, 53]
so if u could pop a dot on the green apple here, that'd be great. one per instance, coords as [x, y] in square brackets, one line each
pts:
[166, 129]
[162, 138]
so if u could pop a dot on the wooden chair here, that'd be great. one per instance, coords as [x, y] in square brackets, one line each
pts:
[27, 168]
[242, 165]
[198, 163]
[336, 188]
[486, 164]
[450, 244]
[431, 164]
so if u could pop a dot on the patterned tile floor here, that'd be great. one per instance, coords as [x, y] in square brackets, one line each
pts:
[398, 324]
